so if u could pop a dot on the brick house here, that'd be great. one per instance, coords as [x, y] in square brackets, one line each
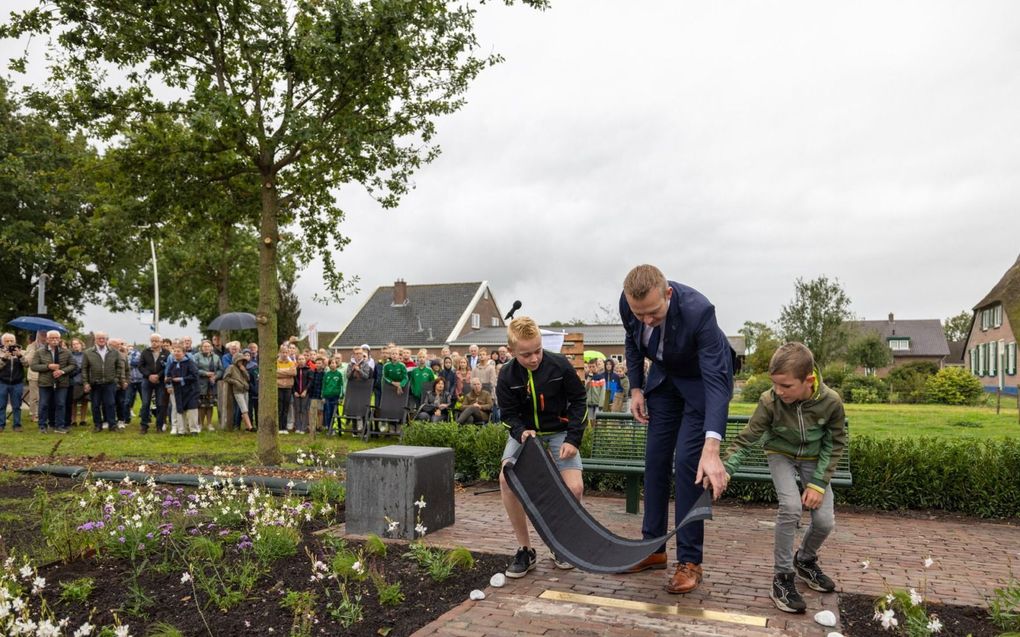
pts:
[990, 351]
[910, 340]
[416, 316]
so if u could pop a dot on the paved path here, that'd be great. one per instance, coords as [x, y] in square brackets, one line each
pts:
[971, 558]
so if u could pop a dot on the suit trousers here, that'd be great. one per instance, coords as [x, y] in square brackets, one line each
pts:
[673, 447]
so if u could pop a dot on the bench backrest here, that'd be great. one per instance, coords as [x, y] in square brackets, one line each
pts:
[392, 406]
[756, 455]
[357, 397]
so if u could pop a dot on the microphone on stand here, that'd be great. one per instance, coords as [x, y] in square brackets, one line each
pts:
[510, 314]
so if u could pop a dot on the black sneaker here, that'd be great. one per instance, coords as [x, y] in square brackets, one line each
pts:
[809, 571]
[784, 594]
[524, 561]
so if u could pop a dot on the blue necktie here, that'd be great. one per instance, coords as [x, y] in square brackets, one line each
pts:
[653, 344]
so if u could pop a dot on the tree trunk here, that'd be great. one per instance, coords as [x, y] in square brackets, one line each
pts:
[269, 448]
[223, 285]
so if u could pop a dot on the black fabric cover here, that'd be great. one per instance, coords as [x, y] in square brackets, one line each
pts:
[567, 528]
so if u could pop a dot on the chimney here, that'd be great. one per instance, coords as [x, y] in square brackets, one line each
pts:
[892, 318]
[400, 292]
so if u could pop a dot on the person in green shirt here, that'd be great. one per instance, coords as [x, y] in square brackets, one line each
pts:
[332, 392]
[394, 371]
[418, 376]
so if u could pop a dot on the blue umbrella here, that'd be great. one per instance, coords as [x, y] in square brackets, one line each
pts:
[36, 323]
[233, 321]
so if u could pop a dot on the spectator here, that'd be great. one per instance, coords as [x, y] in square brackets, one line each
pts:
[217, 346]
[315, 394]
[472, 357]
[613, 386]
[12, 380]
[435, 405]
[102, 372]
[225, 399]
[463, 375]
[360, 366]
[395, 372]
[476, 405]
[55, 367]
[504, 354]
[252, 367]
[595, 389]
[624, 398]
[285, 372]
[77, 398]
[236, 378]
[302, 383]
[485, 371]
[494, 357]
[209, 367]
[333, 388]
[135, 379]
[182, 384]
[123, 411]
[151, 365]
[31, 396]
[449, 374]
[418, 377]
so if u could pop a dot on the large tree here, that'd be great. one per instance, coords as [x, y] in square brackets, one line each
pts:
[817, 317]
[45, 215]
[958, 327]
[311, 94]
[869, 350]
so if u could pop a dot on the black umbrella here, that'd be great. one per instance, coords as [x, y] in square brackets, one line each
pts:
[233, 321]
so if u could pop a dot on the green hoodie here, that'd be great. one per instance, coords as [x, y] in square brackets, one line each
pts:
[333, 384]
[812, 429]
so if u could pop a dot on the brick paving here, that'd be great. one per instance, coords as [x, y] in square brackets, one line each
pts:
[971, 557]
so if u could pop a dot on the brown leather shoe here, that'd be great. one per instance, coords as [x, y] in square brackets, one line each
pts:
[685, 579]
[654, 561]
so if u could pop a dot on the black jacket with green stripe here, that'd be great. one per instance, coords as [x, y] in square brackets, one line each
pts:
[812, 429]
[557, 403]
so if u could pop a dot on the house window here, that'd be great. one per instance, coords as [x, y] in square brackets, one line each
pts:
[495, 321]
[997, 310]
[993, 358]
[476, 321]
[982, 359]
[1011, 359]
[899, 344]
[974, 369]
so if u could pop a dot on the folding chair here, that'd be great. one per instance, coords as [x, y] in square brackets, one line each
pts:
[391, 410]
[356, 405]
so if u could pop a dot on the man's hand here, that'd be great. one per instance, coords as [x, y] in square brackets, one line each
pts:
[711, 472]
[53, 366]
[528, 433]
[153, 378]
[811, 499]
[567, 451]
[58, 373]
[637, 406]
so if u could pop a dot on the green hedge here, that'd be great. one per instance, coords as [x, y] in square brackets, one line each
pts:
[977, 478]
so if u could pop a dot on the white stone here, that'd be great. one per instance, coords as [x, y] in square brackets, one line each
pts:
[826, 618]
[834, 635]
[498, 580]
[477, 595]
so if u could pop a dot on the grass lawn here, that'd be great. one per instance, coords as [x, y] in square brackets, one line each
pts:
[891, 421]
[218, 448]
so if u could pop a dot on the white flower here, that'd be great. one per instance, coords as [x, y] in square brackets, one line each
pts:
[290, 485]
[865, 564]
[890, 598]
[47, 629]
[185, 577]
[934, 624]
[122, 631]
[420, 529]
[915, 598]
[247, 624]
[38, 584]
[888, 619]
[142, 468]
[928, 562]
[84, 630]
[26, 571]
[420, 503]
[82, 503]
[358, 568]
[18, 604]
[393, 526]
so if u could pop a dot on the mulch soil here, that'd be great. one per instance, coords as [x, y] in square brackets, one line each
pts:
[102, 463]
[858, 611]
[260, 614]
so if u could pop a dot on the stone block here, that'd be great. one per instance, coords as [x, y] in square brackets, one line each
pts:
[385, 483]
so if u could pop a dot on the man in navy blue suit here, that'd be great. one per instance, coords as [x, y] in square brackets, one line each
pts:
[684, 401]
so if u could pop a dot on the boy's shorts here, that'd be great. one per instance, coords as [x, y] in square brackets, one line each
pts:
[552, 442]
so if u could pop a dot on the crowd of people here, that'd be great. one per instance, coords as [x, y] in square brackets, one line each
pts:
[180, 388]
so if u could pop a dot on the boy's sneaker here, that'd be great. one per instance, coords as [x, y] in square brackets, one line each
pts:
[784, 594]
[809, 571]
[560, 564]
[524, 561]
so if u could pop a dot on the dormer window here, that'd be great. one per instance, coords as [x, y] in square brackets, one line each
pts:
[899, 344]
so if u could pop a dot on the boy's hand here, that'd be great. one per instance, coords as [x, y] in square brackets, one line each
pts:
[811, 499]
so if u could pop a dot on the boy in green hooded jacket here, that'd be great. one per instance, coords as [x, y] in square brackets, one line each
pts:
[801, 425]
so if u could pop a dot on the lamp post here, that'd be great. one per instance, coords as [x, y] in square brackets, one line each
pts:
[155, 285]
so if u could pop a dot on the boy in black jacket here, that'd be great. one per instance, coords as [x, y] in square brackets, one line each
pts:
[540, 395]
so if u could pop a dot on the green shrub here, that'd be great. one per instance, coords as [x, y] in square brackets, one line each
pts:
[834, 374]
[908, 381]
[858, 388]
[754, 387]
[477, 451]
[953, 386]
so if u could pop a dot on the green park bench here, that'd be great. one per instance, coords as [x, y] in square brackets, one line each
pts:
[618, 446]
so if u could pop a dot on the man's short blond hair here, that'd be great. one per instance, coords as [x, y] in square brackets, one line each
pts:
[522, 328]
[794, 359]
[642, 279]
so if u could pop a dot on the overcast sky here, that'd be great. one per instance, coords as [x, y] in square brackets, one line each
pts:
[737, 145]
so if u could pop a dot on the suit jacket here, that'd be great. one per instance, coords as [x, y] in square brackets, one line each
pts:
[97, 370]
[43, 358]
[696, 357]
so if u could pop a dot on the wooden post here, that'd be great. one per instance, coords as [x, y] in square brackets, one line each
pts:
[998, 400]
[573, 348]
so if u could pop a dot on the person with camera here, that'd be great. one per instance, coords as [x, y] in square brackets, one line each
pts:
[12, 380]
